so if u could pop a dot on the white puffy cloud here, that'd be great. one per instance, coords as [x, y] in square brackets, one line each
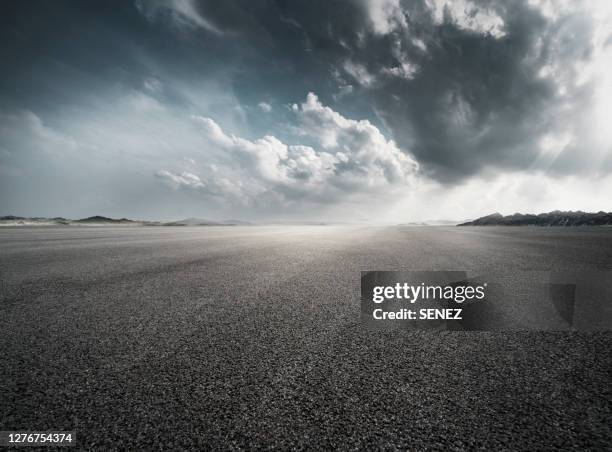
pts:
[365, 150]
[350, 157]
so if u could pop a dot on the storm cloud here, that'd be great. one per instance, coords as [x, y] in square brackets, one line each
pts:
[463, 85]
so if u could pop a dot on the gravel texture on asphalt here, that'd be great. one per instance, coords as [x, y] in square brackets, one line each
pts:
[250, 337]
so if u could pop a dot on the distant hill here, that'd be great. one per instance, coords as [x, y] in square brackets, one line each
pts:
[12, 220]
[100, 219]
[193, 222]
[555, 218]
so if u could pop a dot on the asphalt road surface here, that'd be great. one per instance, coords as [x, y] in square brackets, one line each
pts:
[250, 337]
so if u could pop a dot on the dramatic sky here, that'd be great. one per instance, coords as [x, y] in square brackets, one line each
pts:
[367, 110]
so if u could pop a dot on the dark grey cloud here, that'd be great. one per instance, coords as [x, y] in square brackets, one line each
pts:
[459, 85]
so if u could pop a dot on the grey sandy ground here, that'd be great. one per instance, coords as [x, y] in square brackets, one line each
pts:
[250, 337]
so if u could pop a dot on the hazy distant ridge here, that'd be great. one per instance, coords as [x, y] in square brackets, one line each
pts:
[98, 220]
[555, 218]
